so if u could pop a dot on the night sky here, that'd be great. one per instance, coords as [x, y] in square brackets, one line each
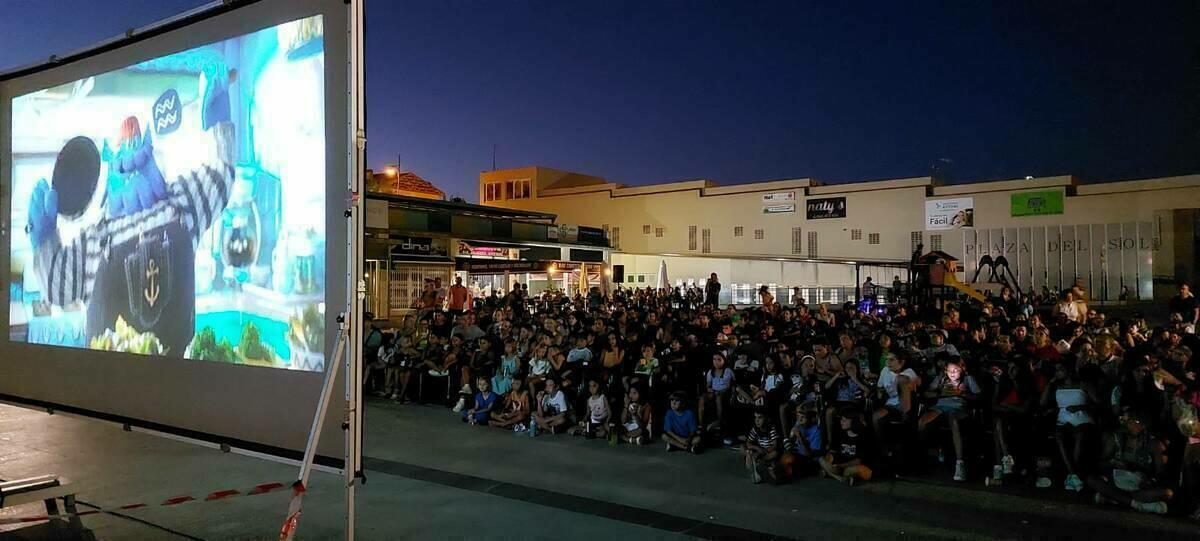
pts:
[648, 92]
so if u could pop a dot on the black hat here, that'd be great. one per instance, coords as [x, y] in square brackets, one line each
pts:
[76, 174]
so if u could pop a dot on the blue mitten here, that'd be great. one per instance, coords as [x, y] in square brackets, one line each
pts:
[43, 213]
[214, 89]
[135, 182]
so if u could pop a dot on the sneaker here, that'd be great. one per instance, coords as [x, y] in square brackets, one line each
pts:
[960, 471]
[1008, 464]
[637, 441]
[1073, 483]
[670, 447]
[519, 428]
[1159, 508]
[458, 406]
[1043, 482]
[755, 476]
[694, 449]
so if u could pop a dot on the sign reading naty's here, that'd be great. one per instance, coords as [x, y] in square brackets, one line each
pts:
[826, 207]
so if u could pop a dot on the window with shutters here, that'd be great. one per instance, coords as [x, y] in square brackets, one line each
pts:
[759, 234]
[796, 232]
[918, 237]
[646, 229]
[706, 241]
[691, 237]
[855, 234]
[935, 242]
[812, 244]
[658, 232]
[873, 238]
[616, 237]
[737, 231]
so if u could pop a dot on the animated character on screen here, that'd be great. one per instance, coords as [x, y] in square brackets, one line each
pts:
[136, 262]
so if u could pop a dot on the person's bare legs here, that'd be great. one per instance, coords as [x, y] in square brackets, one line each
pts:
[956, 436]
[1001, 443]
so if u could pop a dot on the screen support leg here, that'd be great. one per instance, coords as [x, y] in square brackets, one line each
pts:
[314, 435]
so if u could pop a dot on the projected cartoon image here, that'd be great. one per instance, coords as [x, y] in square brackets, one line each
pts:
[177, 207]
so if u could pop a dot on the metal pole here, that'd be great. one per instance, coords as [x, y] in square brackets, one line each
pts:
[355, 284]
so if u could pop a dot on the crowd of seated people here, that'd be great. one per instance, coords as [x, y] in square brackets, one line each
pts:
[1047, 393]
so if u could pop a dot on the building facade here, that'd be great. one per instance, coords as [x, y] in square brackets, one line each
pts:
[1132, 239]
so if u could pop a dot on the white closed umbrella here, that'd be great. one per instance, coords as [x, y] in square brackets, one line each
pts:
[663, 281]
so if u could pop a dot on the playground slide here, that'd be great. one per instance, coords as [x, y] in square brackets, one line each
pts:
[951, 280]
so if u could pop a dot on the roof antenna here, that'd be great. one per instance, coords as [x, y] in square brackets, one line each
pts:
[493, 156]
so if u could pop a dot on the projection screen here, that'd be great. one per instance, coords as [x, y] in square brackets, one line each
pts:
[174, 239]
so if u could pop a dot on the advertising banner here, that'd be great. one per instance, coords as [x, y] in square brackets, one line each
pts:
[777, 198]
[1037, 203]
[779, 209]
[950, 213]
[826, 207]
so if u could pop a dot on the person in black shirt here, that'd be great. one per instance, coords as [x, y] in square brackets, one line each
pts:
[1185, 304]
[712, 290]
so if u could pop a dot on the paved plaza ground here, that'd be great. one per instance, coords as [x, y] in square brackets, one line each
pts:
[430, 477]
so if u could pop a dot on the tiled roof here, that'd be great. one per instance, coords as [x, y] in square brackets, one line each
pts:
[407, 183]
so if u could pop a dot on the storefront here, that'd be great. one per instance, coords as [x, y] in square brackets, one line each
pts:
[409, 240]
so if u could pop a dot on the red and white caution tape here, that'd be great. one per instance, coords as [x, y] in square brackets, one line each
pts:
[293, 516]
[169, 502]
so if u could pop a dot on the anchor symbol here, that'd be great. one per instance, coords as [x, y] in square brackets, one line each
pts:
[151, 292]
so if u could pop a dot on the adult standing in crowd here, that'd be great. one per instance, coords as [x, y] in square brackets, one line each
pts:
[459, 298]
[712, 290]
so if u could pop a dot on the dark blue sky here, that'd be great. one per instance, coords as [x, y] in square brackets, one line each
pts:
[646, 92]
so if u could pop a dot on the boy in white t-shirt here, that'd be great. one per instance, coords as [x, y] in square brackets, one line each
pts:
[552, 408]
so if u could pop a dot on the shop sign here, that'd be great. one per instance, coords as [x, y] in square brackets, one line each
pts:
[778, 198]
[779, 209]
[568, 233]
[950, 213]
[493, 266]
[377, 214]
[1037, 203]
[826, 207]
[418, 247]
[467, 249]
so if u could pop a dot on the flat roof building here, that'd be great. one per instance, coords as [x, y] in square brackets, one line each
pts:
[1134, 236]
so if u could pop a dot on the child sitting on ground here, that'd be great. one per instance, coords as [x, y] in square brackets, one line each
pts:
[635, 418]
[761, 451]
[406, 359]
[805, 442]
[646, 369]
[679, 427]
[484, 400]
[720, 385]
[515, 410]
[596, 423]
[552, 409]
[844, 460]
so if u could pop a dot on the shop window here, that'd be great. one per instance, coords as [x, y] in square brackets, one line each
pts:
[873, 238]
[759, 234]
[737, 231]
[796, 232]
[812, 244]
[691, 237]
[855, 234]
